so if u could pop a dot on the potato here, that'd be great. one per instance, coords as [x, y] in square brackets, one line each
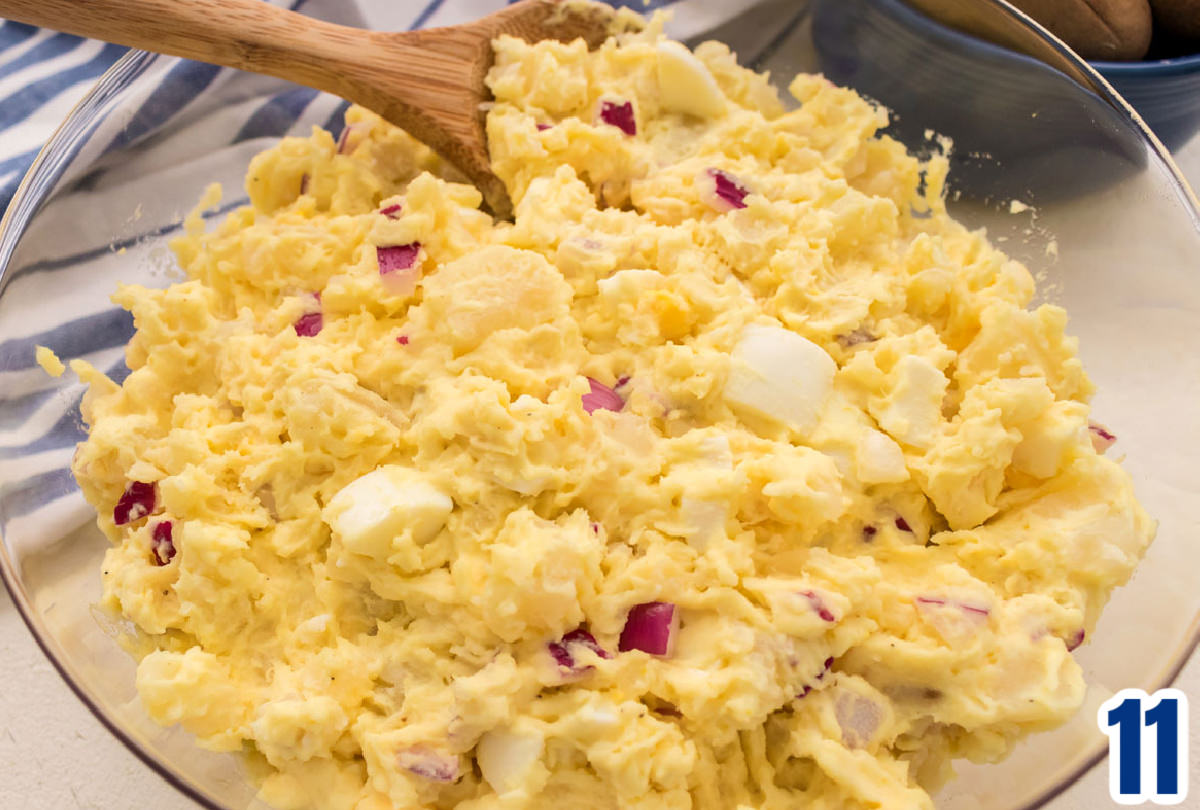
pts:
[1098, 29]
[1178, 17]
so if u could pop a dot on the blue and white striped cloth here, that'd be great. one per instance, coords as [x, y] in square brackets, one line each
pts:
[44, 73]
[42, 76]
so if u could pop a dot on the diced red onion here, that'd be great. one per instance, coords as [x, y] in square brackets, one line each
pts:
[544, 127]
[902, 525]
[619, 115]
[869, 533]
[391, 211]
[601, 397]
[975, 611]
[808, 688]
[402, 340]
[398, 267]
[397, 257]
[344, 144]
[138, 500]
[561, 650]
[558, 651]
[1101, 437]
[309, 324]
[818, 605]
[429, 764]
[1076, 640]
[162, 542]
[728, 192]
[650, 627]
[582, 636]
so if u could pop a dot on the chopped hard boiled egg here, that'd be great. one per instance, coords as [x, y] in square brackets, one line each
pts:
[509, 759]
[911, 410]
[373, 512]
[780, 375]
[685, 83]
[879, 460]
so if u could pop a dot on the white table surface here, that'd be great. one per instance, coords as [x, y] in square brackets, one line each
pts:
[54, 755]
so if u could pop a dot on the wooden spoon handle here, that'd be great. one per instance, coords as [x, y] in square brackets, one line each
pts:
[245, 34]
[430, 83]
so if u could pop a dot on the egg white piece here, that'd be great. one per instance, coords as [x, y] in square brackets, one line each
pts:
[371, 512]
[780, 375]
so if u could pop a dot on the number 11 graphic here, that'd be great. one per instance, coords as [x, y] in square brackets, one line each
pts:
[1148, 759]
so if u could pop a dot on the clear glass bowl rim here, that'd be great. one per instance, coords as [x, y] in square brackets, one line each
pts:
[48, 166]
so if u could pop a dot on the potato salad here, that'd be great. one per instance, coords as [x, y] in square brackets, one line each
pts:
[732, 473]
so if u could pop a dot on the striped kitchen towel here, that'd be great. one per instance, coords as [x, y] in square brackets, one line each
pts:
[182, 110]
[43, 74]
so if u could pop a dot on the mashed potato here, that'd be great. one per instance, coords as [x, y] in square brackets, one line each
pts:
[732, 473]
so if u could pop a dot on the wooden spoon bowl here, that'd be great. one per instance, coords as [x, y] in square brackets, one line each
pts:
[428, 82]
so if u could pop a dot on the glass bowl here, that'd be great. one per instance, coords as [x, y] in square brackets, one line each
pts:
[1111, 231]
[1165, 92]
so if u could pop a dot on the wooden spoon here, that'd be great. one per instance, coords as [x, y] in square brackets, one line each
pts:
[429, 82]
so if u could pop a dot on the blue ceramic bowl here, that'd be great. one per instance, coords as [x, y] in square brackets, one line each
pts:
[1021, 129]
[1165, 92]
